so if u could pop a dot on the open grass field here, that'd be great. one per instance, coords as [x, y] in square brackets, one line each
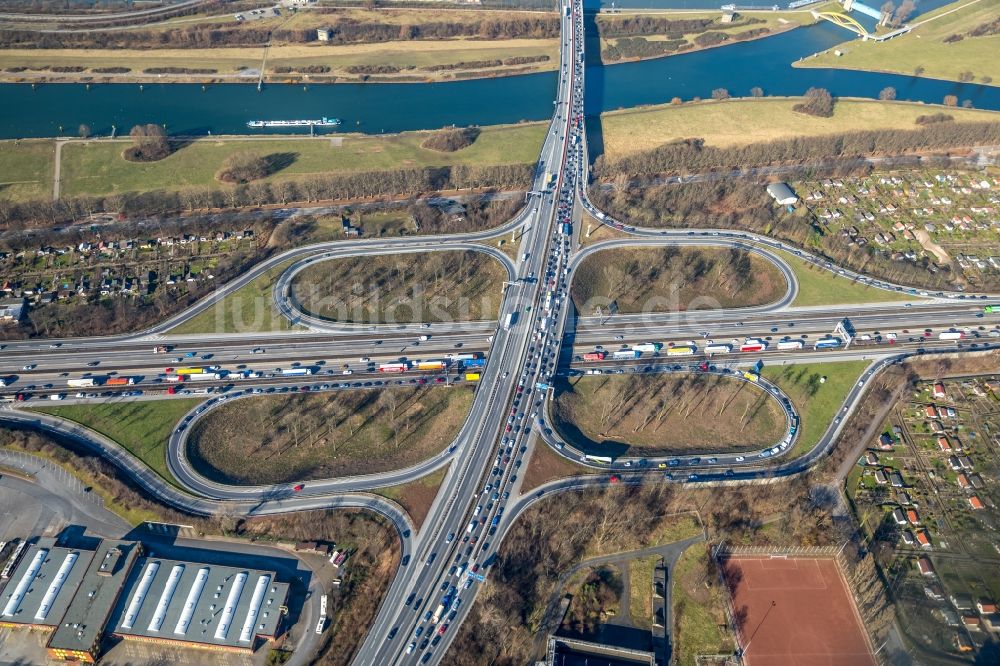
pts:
[738, 122]
[698, 613]
[141, 428]
[925, 47]
[821, 287]
[412, 57]
[26, 169]
[404, 288]
[97, 167]
[645, 415]
[310, 436]
[808, 594]
[816, 401]
[674, 278]
[416, 496]
[249, 309]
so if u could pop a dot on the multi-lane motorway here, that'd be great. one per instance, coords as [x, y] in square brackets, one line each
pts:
[540, 336]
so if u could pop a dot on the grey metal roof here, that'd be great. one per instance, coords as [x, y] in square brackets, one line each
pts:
[781, 192]
[98, 592]
[42, 598]
[200, 603]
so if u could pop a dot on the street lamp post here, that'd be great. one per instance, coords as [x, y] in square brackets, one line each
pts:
[744, 650]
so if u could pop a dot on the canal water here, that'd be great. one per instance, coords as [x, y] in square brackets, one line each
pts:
[53, 109]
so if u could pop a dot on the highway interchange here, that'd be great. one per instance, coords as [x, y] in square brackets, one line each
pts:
[457, 538]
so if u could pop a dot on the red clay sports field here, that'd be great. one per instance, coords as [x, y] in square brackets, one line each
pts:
[795, 612]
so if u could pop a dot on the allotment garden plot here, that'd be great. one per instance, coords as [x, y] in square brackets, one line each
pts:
[925, 493]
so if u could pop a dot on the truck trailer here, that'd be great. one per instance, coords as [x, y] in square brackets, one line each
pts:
[296, 372]
[623, 354]
[790, 344]
[509, 320]
[649, 347]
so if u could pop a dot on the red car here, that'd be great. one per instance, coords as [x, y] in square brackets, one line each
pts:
[614, 478]
[442, 629]
[298, 487]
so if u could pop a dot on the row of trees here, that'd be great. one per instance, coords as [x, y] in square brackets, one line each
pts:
[692, 155]
[43, 213]
[343, 31]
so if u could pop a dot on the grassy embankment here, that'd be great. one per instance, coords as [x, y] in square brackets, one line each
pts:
[674, 278]
[773, 22]
[926, 47]
[412, 57]
[739, 122]
[310, 436]
[648, 415]
[248, 309]
[141, 428]
[96, 167]
[417, 496]
[403, 288]
[818, 286]
[817, 403]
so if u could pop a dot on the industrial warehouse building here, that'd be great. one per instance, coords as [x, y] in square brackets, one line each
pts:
[81, 596]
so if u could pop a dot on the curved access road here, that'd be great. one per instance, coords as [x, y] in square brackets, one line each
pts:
[193, 481]
[791, 291]
[706, 459]
[273, 500]
[286, 304]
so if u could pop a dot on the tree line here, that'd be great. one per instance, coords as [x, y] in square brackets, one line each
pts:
[360, 185]
[342, 31]
[692, 155]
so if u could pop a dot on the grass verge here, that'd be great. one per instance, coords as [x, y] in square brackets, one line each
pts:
[249, 309]
[140, 427]
[417, 496]
[818, 286]
[739, 122]
[641, 593]
[816, 401]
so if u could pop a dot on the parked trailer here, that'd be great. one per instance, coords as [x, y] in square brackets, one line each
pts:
[594, 356]
[790, 344]
[681, 351]
[753, 346]
[828, 343]
[82, 382]
[393, 367]
[472, 376]
[296, 372]
[718, 349]
[120, 381]
[649, 347]
[623, 354]
[950, 335]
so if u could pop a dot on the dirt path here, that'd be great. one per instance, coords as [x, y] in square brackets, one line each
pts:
[925, 242]
[57, 170]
